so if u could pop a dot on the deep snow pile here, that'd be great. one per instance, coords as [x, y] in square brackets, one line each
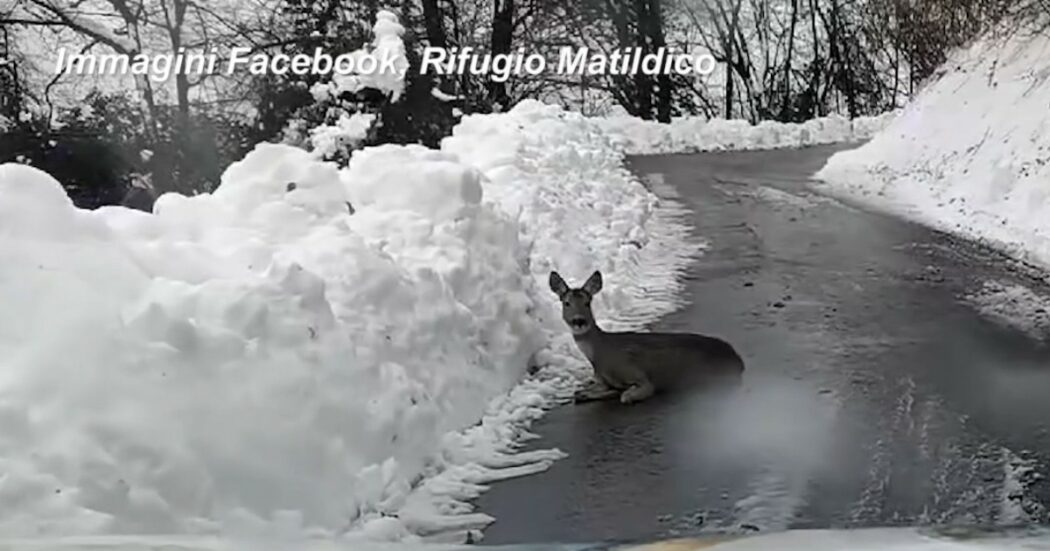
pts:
[250, 357]
[971, 153]
[692, 134]
[261, 361]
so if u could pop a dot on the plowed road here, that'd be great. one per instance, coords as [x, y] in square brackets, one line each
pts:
[896, 376]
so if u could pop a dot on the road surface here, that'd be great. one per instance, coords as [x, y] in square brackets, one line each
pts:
[876, 393]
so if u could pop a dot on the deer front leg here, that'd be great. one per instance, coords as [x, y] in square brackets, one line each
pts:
[637, 392]
[594, 391]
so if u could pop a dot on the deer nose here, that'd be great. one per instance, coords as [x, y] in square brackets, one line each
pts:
[578, 322]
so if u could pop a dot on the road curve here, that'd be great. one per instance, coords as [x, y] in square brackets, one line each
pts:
[876, 393]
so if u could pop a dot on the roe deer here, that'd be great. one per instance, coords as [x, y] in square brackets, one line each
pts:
[634, 366]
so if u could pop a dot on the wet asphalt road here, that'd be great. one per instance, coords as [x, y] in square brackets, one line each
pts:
[875, 393]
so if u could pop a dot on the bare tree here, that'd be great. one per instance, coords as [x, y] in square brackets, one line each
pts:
[155, 27]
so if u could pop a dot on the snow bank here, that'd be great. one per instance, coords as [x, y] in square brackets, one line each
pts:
[259, 361]
[971, 153]
[578, 209]
[692, 134]
[863, 539]
[562, 176]
[1014, 305]
[252, 358]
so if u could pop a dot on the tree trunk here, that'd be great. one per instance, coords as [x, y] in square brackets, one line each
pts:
[729, 89]
[654, 25]
[630, 95]
[815, 108]
[10, 92]
[502, 39]
[182, 83]
[785, 102]
[841, 71]
[434, 21]
[643, 83]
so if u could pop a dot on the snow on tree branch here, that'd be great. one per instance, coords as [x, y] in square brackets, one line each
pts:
[388, 75]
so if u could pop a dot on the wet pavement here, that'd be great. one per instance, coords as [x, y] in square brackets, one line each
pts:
[875, 394]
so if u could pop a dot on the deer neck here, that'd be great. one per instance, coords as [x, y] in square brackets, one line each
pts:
[587, 342]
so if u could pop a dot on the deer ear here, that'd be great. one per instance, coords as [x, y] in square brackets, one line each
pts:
[594, 283]
[558, 284]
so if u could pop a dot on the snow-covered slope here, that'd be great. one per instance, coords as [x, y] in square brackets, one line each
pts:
[971, 153]
[261, 361]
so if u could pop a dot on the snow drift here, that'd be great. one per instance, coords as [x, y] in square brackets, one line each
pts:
[308, 351]
[971, 153]
[243, 358]
[691, 134]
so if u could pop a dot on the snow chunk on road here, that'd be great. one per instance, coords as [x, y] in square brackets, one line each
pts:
[971, 153]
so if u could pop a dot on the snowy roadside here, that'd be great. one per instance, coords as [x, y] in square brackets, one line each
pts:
[864, 539]
[1013, 305]
[693, 134]
[261, 361]
[971, 153]
[315, 352]
[558, 175]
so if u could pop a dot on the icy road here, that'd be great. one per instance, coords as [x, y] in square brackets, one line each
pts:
[896, 376]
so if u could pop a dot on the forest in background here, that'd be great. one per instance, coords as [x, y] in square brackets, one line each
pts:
[784, 60]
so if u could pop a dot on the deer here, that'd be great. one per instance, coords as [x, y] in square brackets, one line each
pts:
[634, 366]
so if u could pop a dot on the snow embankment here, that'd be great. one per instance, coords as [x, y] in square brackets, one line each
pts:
[692, 134]
[310, 351]
[971, 153]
